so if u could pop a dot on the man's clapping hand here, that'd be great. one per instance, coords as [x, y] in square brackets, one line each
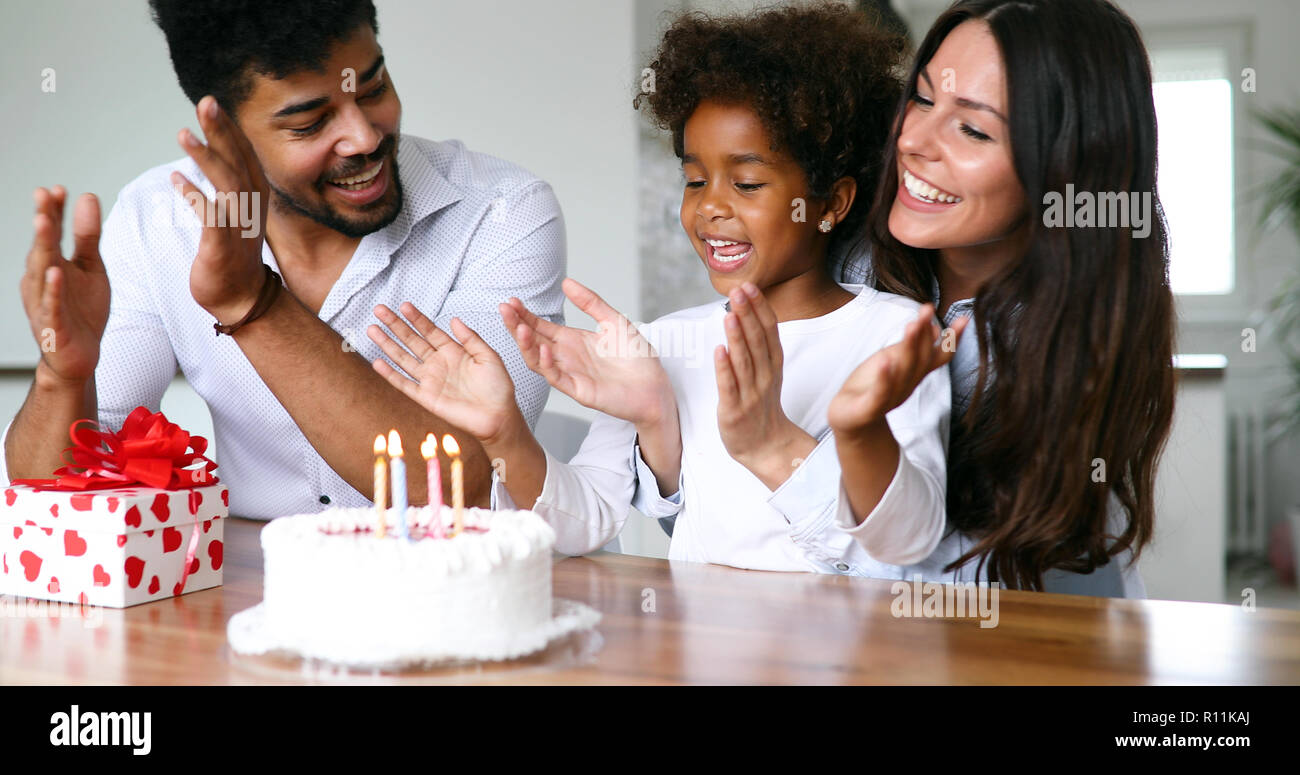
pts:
[227, 273]
[66, 301]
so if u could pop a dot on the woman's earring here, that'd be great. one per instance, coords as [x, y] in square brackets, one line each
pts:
[825, 227]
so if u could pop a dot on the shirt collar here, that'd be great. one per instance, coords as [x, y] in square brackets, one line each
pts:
[956, 310]
[425, 190]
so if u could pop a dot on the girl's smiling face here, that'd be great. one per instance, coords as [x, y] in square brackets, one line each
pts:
[957, 184]
[739, 204]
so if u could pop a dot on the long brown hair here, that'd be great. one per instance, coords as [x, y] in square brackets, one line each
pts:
[1076, 336]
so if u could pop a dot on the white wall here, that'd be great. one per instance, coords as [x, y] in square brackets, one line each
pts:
[1186, 560]
[114, 113]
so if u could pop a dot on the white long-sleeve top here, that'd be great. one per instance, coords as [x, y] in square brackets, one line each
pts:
[723, 513]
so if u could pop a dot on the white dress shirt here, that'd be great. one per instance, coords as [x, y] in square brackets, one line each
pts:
[723, 513]
[473, 231]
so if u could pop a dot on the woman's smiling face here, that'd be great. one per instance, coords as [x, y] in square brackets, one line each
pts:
[957, 180]
[738, 207]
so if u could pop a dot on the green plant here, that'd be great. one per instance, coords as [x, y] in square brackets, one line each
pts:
[1282, 203]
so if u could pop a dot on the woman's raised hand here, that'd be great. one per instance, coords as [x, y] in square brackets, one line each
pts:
[886, 379]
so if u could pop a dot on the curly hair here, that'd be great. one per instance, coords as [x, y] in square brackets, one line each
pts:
[824, 80]
[216, 47]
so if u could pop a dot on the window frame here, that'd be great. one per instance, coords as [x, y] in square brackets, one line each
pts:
[1235, 40]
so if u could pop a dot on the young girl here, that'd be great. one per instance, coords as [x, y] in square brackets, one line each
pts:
[716, 415]
[1063, 397]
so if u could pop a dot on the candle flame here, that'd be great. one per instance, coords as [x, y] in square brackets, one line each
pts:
[429, 447]
[394, 444]
[380, 447]
[449, 444]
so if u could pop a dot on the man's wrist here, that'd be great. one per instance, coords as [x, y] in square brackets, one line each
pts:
[48, 381]
[270, 309]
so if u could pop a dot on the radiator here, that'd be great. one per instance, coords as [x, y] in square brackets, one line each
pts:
[1247, 489]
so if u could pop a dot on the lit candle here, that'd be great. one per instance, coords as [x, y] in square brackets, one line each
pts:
[457, 483]
[429, 448]
[381, 484]
[399, 482]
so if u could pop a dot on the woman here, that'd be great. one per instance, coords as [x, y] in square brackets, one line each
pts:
[1063, 386]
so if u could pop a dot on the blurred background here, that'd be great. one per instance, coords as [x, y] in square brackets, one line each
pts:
[549, 86]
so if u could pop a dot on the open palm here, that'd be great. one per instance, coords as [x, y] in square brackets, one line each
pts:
[66, 301]
[464, 383]
[613, 370]
[886, 379]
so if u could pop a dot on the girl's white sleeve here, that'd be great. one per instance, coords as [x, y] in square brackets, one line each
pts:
[908, 522]
[807, 501]
[587, 499]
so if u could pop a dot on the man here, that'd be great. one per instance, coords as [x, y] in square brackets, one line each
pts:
[302, 125]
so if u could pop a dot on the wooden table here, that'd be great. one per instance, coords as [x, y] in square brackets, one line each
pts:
[709, 624]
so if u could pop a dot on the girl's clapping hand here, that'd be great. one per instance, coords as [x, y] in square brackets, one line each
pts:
[613, 370]
[753, 425]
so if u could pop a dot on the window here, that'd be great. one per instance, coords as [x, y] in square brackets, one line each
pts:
[1194, 112]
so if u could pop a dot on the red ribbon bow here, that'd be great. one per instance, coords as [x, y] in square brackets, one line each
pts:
[148, 450]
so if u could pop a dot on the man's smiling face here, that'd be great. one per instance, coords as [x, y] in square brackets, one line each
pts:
[327, 139]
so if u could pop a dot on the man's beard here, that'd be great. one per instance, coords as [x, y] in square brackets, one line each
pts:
[378, 213]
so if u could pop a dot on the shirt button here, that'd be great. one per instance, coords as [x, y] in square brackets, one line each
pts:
[324, 499]
[841, 566]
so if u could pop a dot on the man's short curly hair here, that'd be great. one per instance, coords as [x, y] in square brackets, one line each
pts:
[824, 80]
[217, 46]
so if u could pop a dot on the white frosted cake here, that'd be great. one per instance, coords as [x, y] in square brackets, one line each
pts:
[334, 591]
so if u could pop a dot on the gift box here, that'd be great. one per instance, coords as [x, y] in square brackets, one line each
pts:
[136, 516]
[117, 547]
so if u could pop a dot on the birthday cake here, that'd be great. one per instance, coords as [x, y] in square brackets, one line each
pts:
[336, 591]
